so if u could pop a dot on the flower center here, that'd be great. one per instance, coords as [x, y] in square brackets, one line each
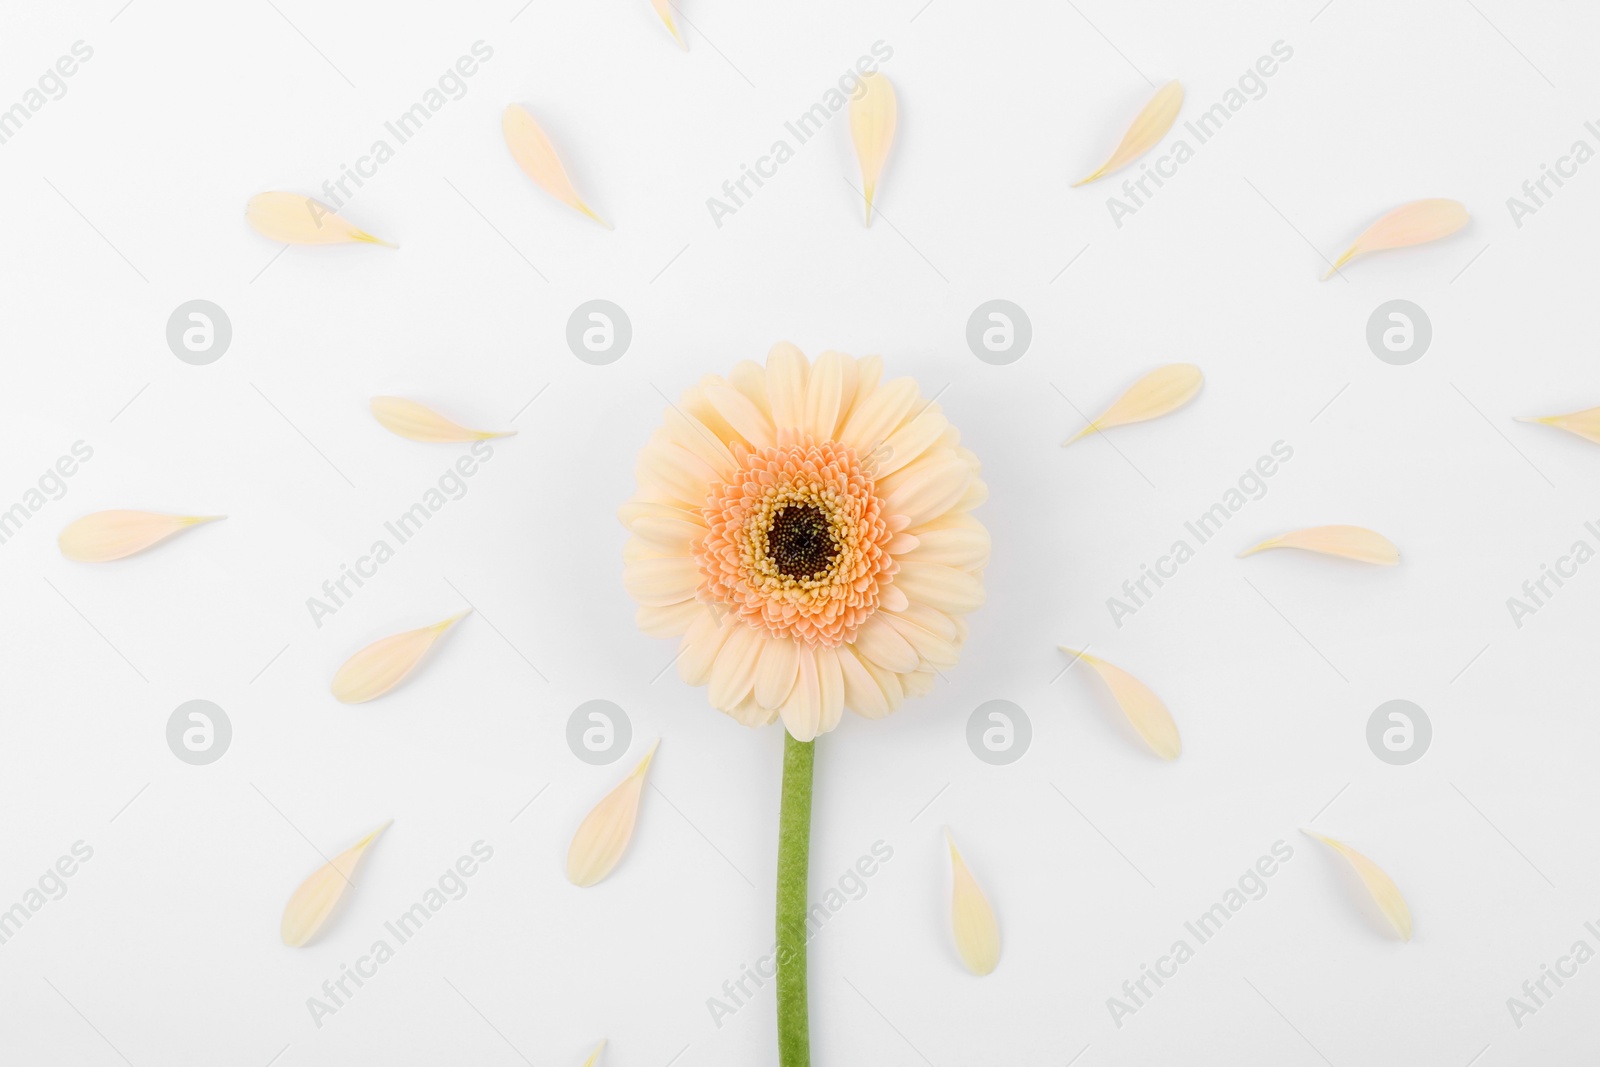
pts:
[799, 542]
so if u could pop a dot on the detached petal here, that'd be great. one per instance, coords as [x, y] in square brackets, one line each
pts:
[537, 157]
[1146, 131]
[299, 220]
[664, 10]
[1142, 707]
[108, 535]
[1384, 892]
[409, 419]
[1158, 393]
[1586, 423]
[1415, 223]
[1350, 542]
[604, 834]
[872, 118]
[384, 664]
[971, 918]
[314, 901]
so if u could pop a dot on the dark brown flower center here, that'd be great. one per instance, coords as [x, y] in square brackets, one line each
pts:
[800, 543]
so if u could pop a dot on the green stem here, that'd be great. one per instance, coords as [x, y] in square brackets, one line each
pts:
[794, 853]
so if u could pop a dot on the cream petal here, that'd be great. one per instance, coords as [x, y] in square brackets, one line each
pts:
[676, 537]
[1410, 224]
[862, 694]
[972, 919]
[750, 378]
[701, 643]
[977, 492]
[1161, 392]
[300, 220]
[902, 544]
[635, 548]
[664, 12]
[1382, 888]
[964, 547]
[637, 509]
[1348, 542]
[802, 710]
[878, 641]
[746, 419]
[786, 387]
[830, 688]
[775, 673]
[929, 487]
[888, 681]
[668, 620]
[869, 372]
[872, 120]
[1585, 423]
[1145, 132]
[892, 599]
[538, 159]
[411, 420]
[677, 471]
[734, 672]
[1143, 708]
[930, 619]
[748, 713]
[877, 417]
[825, 395]
[109, 535]
[603, 836]
[917, 683]
[694, 404]
[385, 663]
[689, 433]
[945, 588]
[317, 896]
[932, 650]
[910, 441]
[662, 581]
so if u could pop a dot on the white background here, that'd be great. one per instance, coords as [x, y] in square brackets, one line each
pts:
[125, 198]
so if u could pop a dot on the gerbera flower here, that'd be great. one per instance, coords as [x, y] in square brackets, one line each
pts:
[806, 530]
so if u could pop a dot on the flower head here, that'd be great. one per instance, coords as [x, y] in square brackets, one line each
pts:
[805, 529]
